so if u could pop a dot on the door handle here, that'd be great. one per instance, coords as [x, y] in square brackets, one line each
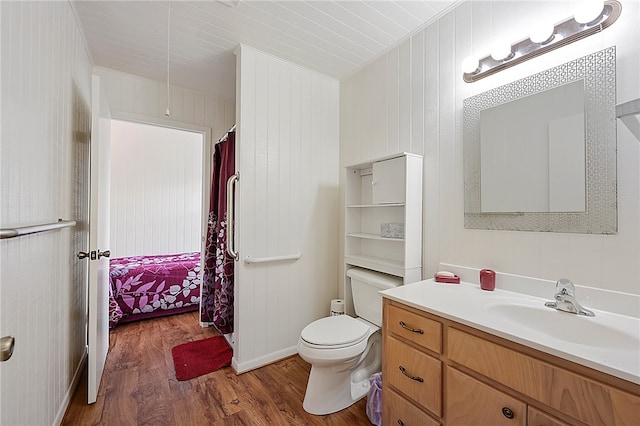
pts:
[231, 198]
[7, 343]
[93, 255]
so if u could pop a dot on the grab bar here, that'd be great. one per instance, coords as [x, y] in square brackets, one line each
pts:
[628, 108]
[248, 260]
[25, 230]
[231, 198]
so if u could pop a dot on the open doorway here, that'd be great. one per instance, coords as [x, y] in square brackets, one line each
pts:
[156, 220]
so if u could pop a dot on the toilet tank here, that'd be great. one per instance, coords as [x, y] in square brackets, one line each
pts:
[365, 285]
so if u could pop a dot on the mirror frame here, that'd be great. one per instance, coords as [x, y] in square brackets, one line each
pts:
[598, 70]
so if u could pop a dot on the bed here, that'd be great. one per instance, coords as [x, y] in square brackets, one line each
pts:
[144, 287]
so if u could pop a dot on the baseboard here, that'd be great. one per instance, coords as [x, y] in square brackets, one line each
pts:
[74, 384]
[243, 367]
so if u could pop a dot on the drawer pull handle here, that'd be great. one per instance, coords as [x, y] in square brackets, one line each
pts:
[416, 378]
[508, 412]
[413, 330]
[400, 422]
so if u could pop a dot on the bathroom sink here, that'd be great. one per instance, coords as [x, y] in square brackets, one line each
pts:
[608, 342]
[604, 331]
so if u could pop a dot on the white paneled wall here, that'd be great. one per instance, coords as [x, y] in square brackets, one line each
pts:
[46, 98]
[156, 190]
[415, 91]
[136, 98]
[287, 202]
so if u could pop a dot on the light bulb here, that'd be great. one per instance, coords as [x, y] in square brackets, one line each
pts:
[589, 11]
[470, 65]
[501, 52]
[542, 33]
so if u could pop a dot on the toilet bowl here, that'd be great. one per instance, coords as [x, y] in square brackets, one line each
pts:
[344, 351]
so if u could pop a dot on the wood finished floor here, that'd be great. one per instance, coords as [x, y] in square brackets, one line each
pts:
[139, 386]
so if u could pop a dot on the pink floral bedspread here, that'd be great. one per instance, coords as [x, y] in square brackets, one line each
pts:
[151, 286]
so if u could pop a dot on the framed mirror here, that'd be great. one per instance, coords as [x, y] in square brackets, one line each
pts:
[540, 153]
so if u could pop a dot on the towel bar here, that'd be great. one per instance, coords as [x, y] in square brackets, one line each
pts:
[25, 230]
[248, 260]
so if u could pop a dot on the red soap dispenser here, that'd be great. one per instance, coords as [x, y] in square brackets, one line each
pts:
[487, 279]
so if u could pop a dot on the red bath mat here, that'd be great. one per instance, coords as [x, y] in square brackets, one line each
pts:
[194, 359]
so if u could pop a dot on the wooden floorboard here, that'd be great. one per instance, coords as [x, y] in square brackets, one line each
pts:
[139, 386]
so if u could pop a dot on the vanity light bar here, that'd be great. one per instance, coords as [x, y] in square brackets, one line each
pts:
[563, 34]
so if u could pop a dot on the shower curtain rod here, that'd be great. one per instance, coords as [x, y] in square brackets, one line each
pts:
[232, 129]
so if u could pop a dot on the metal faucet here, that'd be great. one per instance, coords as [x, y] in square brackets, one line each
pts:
[566, 299]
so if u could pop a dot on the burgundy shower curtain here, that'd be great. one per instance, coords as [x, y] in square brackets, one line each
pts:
[217, 287]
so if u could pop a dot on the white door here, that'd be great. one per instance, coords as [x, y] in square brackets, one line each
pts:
[98, 327]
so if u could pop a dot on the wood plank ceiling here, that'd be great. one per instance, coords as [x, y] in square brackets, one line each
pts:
[335, 37]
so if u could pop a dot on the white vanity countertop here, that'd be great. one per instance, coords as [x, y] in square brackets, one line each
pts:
[608, 342]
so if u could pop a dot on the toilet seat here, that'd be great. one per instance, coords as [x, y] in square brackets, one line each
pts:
[334, 332]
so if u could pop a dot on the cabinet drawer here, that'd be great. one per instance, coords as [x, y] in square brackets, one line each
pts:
[416, 328]
[472, 402]
[536, 417]
[575, 395]
[398, 411]
[413, 373]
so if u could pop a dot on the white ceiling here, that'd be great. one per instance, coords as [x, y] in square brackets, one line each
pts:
[335, 37]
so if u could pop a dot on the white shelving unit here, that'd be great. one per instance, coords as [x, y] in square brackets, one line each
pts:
[384, 190]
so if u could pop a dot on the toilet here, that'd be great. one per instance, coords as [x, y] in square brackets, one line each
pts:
[344, 351]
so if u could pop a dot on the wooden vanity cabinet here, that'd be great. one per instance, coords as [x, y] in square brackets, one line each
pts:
[437, 371]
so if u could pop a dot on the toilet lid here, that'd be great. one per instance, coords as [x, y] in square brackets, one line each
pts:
[339, 330]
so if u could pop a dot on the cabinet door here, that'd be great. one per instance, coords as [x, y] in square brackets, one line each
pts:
[544, 382]
[388, 184]
[469, 401]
